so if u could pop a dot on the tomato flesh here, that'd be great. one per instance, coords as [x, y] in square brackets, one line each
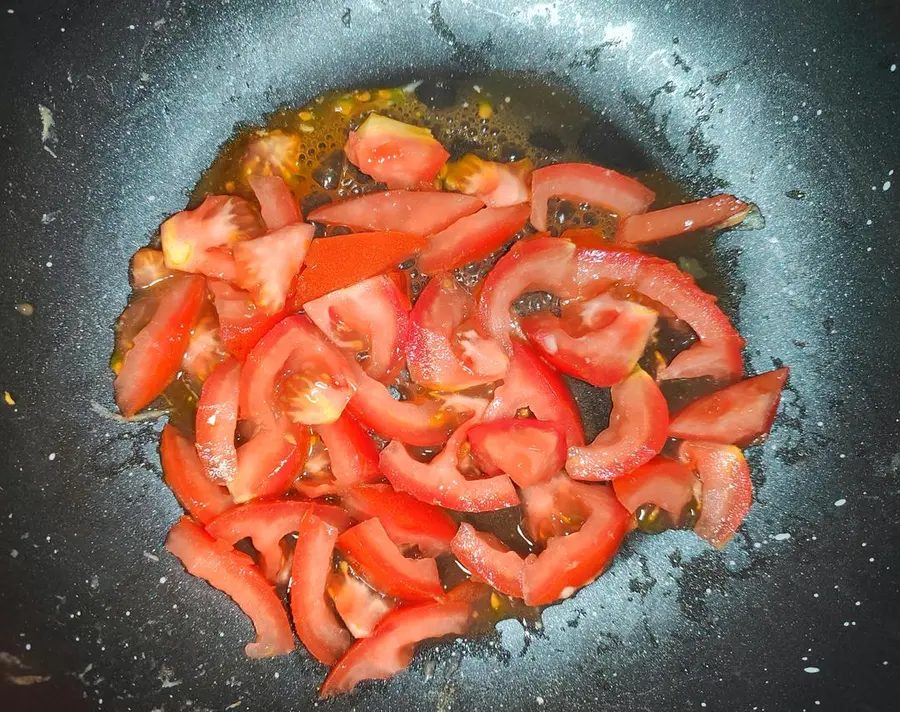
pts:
[719, 211]
[269, 462]
[216, 421]
[497, 184]
[277, 203]
[148, 267]
[530, 451]
[359, 605]
[266, 266]
[205, 350]
[489, 559]
[241, 323]
[668, 484]
[351, 452]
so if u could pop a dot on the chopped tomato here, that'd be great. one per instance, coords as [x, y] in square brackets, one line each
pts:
[736, 415]
[316, 624]
[416, 213]
[236, 575]
[155, 358]
[541, 264]
[406, 520]
[720, 211]
[668, 484]
[369, 319]
[598, 341]
[586, 183]
[726, 490]
[277, 203]
[183, 472]
[267, 265]
[489, 559]
[200, 240]
[273, 153]
[531, 383]
[636, 432]
[205, 350]
[497, 184]
[352, 453]
[472, 238]
[359, 605]
[216, 421]
[379, 561]
[269, 462]
[241, 323]
[570, 558]
[148, 267]
[442, 353]
[530, 451]
[394, 153]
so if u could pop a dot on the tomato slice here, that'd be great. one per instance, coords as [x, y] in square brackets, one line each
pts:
[359, 605]
[183, 472]
[205, 350]
[200, 240]
[441, 353]
[372, 554]
[351, 452]
[155, 358]
[416, 213]
[530, 451]
[216, 421]
[369, 318]
[269, 462]
[394, 153]
[736, 415]
[599, 340]
[570, 559]
[586, 183]
[236, 575]
[541, 264]
[472, 238]
[726, 489]
[406, 520]
[266, 266]
[489, 559]
[148, 267]
[636, 432]
[277, 203]
[718, 352]
[531, 383]
[272, 153]
[316, 624]
[719, 211]
[666, 483]
[241, 323]
[497, 184]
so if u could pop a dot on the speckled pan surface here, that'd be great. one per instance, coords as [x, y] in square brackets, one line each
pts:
[773, 99]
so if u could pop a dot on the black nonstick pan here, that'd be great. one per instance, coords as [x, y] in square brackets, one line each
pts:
[110, 111]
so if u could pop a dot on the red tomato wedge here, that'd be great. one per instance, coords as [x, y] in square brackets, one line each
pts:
[636, 432]
[372, 554]
[390, 647]
[155, 358]
[406, 520]
[668, 484]
[268, 464]
[530, 451]
[599, 340]
[719, 211]
[148, 267]
[277, 203]
[718, 352]
[416, 213]
[200, 240]
[236, 575]
[267, 522]
[333, 263]
[489, 559]
[216, 421]
[397, 154]
[352, 453]
[726, 489]
[442, 354]
[370, 318]
[497, 184]
[541, 264]
[736, 415]
[472, 238]
[183, 472]
[531, 383]
[570, 560]
[359, 605]
[586, 183]
[266, 266]
[205, 350]
[241, 323]
[316, 624]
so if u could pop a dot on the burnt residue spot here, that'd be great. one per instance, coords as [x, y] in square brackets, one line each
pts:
[718, 79]
[667, 88]
[346, 17]
[795, 194]
[437, 93]
[706, 152]
[679, 61]
[608, 643]
[473, 58]
[643, 583]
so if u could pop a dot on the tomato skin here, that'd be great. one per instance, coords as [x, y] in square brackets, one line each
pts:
[472, 238]
[236, 575]
[269, 462]
[353, 454]
[586, 183]
[359, 605]
[668, 484]
[530, 451]
[316, 624]
[726, 489]
[155, 358]
[376, 558]
[719, 211]
[636, 433]
[738, 414]
[489, 559]
[417, 213]
[183, 472]
[277, 203]
[216, 421]
[266, 266]
[241, 323]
